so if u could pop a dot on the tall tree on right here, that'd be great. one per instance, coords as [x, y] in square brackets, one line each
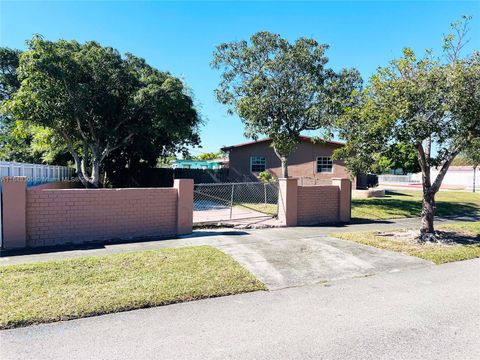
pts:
[430, 103]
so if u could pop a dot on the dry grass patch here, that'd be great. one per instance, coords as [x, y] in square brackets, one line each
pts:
[457, 241]
[268, 209]
[74, 288]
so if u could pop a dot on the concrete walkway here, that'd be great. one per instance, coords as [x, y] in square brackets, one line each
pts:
[220, 236]
[429, 313]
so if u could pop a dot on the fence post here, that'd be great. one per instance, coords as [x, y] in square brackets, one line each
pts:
[265, 192]
[231, 200]
[344, 198]
[14, 204]
[184, 205]
[287, 201]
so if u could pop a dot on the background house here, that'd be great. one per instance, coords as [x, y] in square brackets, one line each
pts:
[311, 162]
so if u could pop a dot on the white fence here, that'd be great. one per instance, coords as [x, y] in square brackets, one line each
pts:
[461, 179]
[35, 173]
[399, 179]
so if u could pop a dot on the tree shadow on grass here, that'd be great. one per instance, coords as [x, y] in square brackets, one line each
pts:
[395, 193]
[411, 208]
[452, 237]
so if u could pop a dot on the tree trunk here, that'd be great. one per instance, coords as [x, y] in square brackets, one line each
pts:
[283, 160]
[95, 179]
[428, 213]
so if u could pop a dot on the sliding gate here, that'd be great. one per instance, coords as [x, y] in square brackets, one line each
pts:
[233, 201]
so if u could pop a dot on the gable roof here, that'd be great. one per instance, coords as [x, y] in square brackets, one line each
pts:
[302, 138]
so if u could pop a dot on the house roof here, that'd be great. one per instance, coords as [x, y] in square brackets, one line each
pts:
[302, 138]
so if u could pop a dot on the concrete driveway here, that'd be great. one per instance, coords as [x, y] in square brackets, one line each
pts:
[280, 257]
[282, 261]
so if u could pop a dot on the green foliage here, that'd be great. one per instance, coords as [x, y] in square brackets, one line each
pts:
[398, 156]
[472, 153]
[211, 155]
[415, 102]
[280, 89]
[19, 142]
[9, 82]
[101, 106]
[266, 177]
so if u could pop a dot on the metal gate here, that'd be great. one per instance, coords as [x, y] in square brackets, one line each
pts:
[232, 201]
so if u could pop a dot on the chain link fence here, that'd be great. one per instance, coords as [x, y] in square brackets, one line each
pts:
[231, 201]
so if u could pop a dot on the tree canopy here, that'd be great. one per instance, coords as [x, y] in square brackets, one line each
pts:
[97, 103]
[426, 102]
[280, 89]
[397, 157]
[211, 155]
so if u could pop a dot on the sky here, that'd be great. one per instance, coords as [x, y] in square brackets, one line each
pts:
[180, 37]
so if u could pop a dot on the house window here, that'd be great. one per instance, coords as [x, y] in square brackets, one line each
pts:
[257, 163]
[324, 164]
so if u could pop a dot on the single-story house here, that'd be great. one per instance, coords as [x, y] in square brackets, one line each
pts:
[200, 164]
[312, 160]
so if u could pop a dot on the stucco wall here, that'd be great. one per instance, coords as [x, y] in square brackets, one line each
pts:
[311, 205]
[317, 204]
[78, 215]
[302, 163]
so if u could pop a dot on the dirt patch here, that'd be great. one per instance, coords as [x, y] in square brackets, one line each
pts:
[441, 238]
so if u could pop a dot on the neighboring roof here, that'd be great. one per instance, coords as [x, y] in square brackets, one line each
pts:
[302, 138]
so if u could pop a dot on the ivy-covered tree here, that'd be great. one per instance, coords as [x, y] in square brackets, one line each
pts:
[280, 89]
[430, 103]
[98, 102]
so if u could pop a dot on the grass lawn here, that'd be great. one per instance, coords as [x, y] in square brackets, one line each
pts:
[268, 209]
[464, 242]
[74, 288]
[402, 204]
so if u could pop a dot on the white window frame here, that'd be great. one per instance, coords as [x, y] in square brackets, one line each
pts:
[329, 162]
[257, 157]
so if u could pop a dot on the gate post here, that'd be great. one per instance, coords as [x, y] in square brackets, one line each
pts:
[14, 207]
[184, 205]
[287, 201]
[344, 198]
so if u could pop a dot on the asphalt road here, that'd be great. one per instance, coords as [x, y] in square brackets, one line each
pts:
[426, 313]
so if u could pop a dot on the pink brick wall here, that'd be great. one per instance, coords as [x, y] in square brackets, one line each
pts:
[57, 216]
[318, 204]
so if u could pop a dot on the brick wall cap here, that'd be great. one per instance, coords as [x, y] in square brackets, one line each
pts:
[14, 179]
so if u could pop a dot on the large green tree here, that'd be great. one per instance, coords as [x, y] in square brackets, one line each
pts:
[14, 143]
[430, 103]
[399, 156]
[100, 103]
[280, 89]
